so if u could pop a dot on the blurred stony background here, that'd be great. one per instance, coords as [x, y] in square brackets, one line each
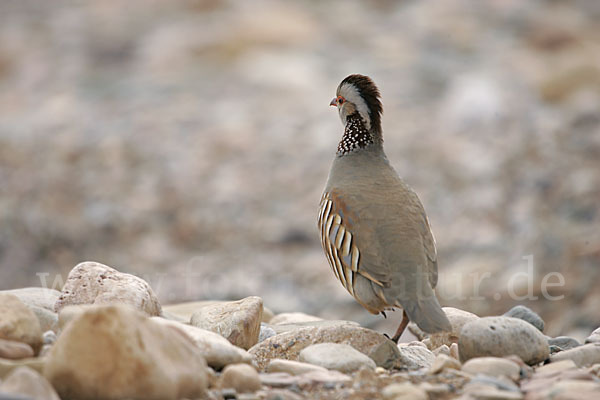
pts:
[188, 142]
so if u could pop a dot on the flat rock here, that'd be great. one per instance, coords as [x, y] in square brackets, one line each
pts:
[594, 337]
[217, 350]
[237, 321]
[36, 296]
[241, 377]
[26, 381]
[582, 356]
[288, 345]
[336, 356]
[115, 351]
[492, 366]
[564, 342]
[404, 391]
[94, 283]
[502, 336]
[292, 318]
[457, 317]
[18, 322]
[443, 362]
[15, 350]
[293, 367]
[526, 314]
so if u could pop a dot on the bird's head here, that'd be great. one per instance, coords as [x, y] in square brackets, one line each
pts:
[358, 94]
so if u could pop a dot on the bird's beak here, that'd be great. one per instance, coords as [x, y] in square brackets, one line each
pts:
[333, 102]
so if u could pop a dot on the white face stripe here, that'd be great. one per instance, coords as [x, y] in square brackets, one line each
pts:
[351, 94]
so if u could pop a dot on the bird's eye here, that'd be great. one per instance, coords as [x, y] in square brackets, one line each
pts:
[341, 100]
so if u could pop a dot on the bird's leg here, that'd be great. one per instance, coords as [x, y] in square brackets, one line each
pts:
[401, 327]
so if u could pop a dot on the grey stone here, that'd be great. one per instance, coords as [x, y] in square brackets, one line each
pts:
[564, 342]
[339, 357]
[526, 314]
[502, 336]
[415, 357]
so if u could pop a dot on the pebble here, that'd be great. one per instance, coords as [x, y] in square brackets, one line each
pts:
[582, 356]
[283, 379]
[503, 336]
[404, 391]
[457, 317]
[526, 314]
[594, 337]
[443, 362]
[293, 367]
[101, 352]
[454, 351]
[557, 366]
[484, 392]
[415, 357]
[443, 349]
[48, 319]
[293, 318]
[18, 322]
[265, 332]
[287, 345]
[14, 350]
[567, 390]
[237, 321]
[241, 377]
[564, 342]
[217, 350]
[49, 337]
[336, 356]
[6, 366]
[94, 283]
[36, 296]
[492, 366]
[26, 381]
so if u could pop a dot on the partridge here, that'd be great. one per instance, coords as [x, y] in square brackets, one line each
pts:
[373, 227]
